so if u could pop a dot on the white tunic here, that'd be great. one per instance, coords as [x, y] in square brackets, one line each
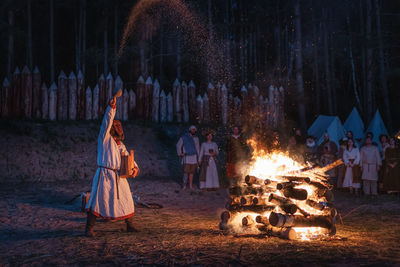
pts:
[188, 159]
[212, 180]
[348, 177]
[106, 200]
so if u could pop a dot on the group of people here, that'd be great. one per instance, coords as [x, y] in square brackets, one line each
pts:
[367, 165]
[204, 157]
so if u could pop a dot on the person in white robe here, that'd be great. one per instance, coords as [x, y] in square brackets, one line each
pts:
[208, 162]
[351, 159]
[110, 197]
[370, 162]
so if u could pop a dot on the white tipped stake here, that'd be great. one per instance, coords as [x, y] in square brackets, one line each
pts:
[80, 74]
[71, 76]
[17, 71]
[176, 82]
[36, 70]
[62, 75]
[25, 70]
[6, 83]
[101, 77]
[149, 81]
[191, 84]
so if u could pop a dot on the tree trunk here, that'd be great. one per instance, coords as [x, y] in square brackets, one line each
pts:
[105, 36]
[116, 18]
[52, 75]
[29, 47]
[382, 71]
[370, 69]
[353, 70]
[299, 69]
[317, 88]
[10, 56]
[326, 65]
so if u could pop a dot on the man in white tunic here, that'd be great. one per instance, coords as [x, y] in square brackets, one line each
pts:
[111, 197]
[370, 164]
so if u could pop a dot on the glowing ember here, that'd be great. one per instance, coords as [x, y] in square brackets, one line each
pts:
[281, 197]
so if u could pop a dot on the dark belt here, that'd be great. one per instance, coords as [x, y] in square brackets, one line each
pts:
[116, 177]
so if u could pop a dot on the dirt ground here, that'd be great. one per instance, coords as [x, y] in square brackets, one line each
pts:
[39, 226]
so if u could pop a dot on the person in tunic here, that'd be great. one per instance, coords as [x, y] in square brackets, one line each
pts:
[327, 153]
[351, 159]
[111, 197]
[236, 152]
[310, 152]
[391, 178]
[341, 169]
[208, 162]
[370, 162]
[188, 148]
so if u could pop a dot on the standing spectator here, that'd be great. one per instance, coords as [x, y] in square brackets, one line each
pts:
[391, 178]
[342, 168]
[188, 149]
[351, 159]
[311, 150]
[208, 162]
[236, 152]
[275, 143]
[370, 164]
[327, 152]
[349, 135]
[300, 140]
[383, 139]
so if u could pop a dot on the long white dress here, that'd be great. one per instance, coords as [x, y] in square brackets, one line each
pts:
[212, 180]
[111, 197]
[348, 177]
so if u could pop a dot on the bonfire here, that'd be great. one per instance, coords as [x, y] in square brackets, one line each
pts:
[281, 197]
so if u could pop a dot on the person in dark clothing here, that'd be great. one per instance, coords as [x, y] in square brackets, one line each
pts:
[236, 152]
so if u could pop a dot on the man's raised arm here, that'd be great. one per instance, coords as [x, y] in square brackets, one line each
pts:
[108, 119]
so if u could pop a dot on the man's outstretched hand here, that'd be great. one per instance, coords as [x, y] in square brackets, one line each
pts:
[113, 102]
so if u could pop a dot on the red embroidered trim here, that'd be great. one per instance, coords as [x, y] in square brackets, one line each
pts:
[110, 218]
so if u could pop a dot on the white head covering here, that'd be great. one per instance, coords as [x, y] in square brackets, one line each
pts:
[192, 127]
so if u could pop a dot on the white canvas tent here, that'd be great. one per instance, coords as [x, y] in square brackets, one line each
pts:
[355, 124]
[329, 124]
[377, 127]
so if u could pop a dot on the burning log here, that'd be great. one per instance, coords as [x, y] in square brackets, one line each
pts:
[261, 200]
[296, 179]
[246, 200]
[315, 205]
[285, 233]
[248, 221]
[281, 220]
[284, 185]
[299, 194]
[262, 219]
[250, 208]
[249, 190]
[285, 204]
[249, 179]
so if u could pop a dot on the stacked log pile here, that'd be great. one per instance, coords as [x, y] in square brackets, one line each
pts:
[27, 96]
[280, 207]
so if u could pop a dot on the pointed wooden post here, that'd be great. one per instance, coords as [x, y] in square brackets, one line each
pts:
[62, 97]
[45, 101]
[17, 94]
[177, 94]
[36, 97]
[140, 97]
[224, 104]
[72, 96]
[5, 98]
[212, 100]
[156, 101]
[132, 104]
[192, 101]
[281, 117]
[53, 101]
[185, 102]
[102, 95]
[206, 109]
[125, 99]
[88, 104]
[148, 97]
[231, 109]
[119, 84]
[170, 107]
[218, 100]
[27, 92]
[244, 101]
[238, 111]
[81, 95]
[163, 107]
[200, 112]
[267, 113]
[95, 102]
[254, 99]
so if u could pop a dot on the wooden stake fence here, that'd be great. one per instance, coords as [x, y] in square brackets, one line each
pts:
[27, 96]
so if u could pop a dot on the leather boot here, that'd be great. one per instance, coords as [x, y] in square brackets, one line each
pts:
[90, 222]
[129, 225]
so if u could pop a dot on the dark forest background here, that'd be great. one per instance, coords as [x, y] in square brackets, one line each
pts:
[328, 55]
